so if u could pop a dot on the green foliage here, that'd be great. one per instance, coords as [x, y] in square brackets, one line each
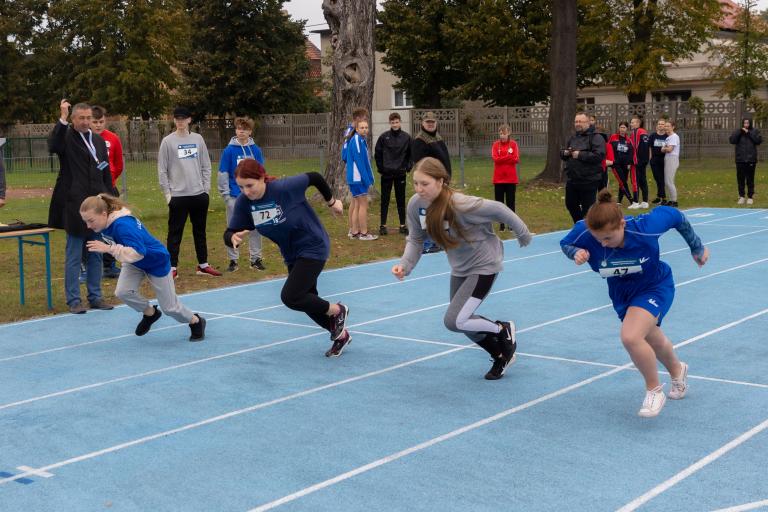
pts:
[626, 43]
[743, 59]
[247, 58]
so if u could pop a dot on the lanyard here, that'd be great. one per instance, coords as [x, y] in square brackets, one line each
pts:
[89, 145]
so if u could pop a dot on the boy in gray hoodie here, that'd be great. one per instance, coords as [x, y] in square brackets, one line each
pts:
[184, 169]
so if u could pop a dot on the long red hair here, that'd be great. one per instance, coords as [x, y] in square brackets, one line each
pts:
[252, 169]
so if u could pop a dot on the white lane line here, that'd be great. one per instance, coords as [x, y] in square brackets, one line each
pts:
[745, 507]
[746, 214]
[467, 428]
[693, 468]
[225, 416]
[351, 327]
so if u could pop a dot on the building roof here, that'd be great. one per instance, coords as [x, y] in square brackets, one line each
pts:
[730, 12]
[313, 52]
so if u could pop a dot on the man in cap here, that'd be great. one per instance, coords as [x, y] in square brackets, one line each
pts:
[184, 169]
[429, 143]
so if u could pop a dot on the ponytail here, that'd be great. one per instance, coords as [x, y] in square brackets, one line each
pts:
[101, 203]
[441, 210]
[605, 213]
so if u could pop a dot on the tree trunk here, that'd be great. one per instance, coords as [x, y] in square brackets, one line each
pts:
[352, 25]
[562, 87]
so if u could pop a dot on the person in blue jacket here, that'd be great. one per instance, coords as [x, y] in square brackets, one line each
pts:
[142, 257]
[359, 178]
[625, 251]
[280, 211]
[240, 147]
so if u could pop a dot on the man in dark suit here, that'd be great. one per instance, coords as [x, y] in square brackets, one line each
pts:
[84, 171]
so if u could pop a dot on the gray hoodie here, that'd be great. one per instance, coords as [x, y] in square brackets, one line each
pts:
[183, 165]
[482, 252]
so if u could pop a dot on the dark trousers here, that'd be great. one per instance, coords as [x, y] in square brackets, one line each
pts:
[578, 199]
[387, 182]
[505, 193]
[621, 171]
[196, 208]
[299, 292]
[642, 182]
[745, 176]
[657, 169]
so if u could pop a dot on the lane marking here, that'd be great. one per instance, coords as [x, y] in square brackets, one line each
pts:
[746, 506]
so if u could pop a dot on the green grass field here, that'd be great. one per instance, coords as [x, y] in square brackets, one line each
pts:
[700, 183]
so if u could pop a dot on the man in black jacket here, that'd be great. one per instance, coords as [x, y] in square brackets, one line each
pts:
[583, 155]
[84, 172]
[746, 139]
[393, 161]
[429, 143]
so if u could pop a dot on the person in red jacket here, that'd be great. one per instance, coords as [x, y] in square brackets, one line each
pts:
[623, 157]
[114, 146]
[642, 154]
[505, 158]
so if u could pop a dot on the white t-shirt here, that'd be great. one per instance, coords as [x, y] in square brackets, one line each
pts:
[673, 140]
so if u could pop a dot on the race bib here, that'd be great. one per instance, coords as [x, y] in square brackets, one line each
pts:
[622, 148]
[619, 268]
[658, 143]
[266, 214]
[187, 151]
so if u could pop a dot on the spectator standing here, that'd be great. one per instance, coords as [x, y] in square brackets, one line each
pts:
[671, 150]
[393, 162]
[2, 175]
[641, 155]
[505, 155]
[241, 147]
[622, 152]
[746, 139]
[583, 155]
[184, 170]
[655, 143]
[84, 171]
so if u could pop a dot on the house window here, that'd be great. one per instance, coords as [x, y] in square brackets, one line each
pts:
[401, 99]
[661, 96]
[585, 101]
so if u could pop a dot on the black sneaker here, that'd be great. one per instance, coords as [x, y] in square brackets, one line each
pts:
[383, 230]
[338, 345]
[657, 200]
[339, 322]
[502, 227]
[233, 266]
[672, 204]
[147, 321]
[506, 338]
[664, 202]
[403, 229]
[257, 264]
[197, 330]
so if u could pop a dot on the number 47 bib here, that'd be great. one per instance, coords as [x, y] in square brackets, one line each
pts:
[619, 268]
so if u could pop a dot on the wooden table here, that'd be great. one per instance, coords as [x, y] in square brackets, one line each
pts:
[22, 236]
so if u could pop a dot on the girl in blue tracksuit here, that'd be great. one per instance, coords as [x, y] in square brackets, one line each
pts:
[279, 210]
[625, 252]
[142, 257]
[359, 179]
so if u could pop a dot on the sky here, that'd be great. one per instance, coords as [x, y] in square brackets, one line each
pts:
[312, 11]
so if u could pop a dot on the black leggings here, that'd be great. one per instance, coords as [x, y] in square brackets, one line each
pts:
[657, 168]
[621, 172]
[299, 292]
[506, 191]
[196, 208]
[745, 178]
[642, 182]
[386, 189]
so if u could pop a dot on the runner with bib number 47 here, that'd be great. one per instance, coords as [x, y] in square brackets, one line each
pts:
[625, 251]
[279, 210]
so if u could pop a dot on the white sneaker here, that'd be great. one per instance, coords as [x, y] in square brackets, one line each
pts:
[634, 206]
[653, 403]
[367, 236]
[644, 205]
[740, 201]
[750, 201]
[679, 386]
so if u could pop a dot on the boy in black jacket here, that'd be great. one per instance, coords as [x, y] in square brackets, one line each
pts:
[393, 161]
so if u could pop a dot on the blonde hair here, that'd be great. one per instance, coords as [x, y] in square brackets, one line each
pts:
[442, 208]
[101, 203]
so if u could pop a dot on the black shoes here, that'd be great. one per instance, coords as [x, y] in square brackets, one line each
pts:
[339, 322]
[233, 266]
[338, 345]
[383, 230]
[508, 345]
[147, 321]
[198, 329]
[657, 200]
[403, 229]
[257, 264]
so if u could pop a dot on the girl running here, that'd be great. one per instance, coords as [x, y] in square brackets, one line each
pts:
[142, 256]
[463, 226]
[279, 210]
[625, 251]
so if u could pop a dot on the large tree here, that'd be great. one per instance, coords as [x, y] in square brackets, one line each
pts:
[352, 25]
[247, 58]
[742, 61]
[562, 70]
[632, 39]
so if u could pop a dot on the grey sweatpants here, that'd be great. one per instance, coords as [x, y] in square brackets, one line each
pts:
[127, 290]
[671, 163]
[254, 237]
[467, 293]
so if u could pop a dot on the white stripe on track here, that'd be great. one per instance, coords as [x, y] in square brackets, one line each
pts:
[745, 507]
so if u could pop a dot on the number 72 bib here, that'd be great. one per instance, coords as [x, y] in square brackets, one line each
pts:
[266, 214]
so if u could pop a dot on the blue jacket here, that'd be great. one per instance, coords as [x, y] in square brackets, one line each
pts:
[230, 157]
[355, 154]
